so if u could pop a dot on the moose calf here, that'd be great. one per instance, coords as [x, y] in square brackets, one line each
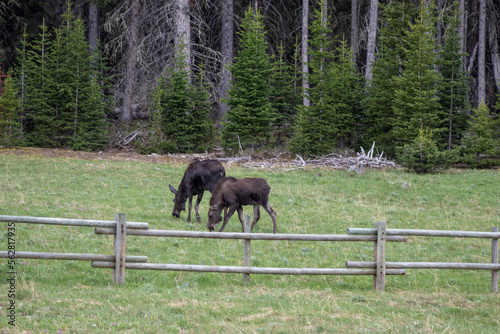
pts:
[233, 193]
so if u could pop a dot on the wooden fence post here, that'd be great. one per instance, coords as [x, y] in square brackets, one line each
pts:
[246, 248]
[119, 248]
[379, 257]
[494, 259]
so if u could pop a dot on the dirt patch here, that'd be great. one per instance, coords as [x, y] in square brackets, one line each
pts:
[112, 154]
[350, 161]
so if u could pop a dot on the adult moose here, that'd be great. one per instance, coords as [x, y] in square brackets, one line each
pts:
[233, 193]
[200, 175]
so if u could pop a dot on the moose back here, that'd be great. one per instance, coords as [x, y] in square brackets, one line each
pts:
[200, 175]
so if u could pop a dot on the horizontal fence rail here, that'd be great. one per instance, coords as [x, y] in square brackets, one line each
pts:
[249, 236]
[426, 265]
[494, 235]
[69, 222]
[425, 233]
[378, 268]
[247, 270]
[70, 256]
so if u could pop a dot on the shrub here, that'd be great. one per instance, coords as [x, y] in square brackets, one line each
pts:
[423, 156]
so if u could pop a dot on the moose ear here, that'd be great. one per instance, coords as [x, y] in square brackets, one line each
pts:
[172, 189]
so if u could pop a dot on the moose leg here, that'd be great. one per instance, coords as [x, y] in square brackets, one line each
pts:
[242, 219]
[230, 212]
[196, 205]
[190, 205]
[256, 215]
[273, 216]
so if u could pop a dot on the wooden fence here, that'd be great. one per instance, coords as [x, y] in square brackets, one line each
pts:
[379, 235]
[494, 266]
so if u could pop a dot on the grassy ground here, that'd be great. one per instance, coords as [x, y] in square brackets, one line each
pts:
[72, 297]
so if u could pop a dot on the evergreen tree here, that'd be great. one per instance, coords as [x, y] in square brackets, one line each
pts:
[10, 108]
[62, 105]
[284, 101]
[248, 122]
[423, 155]
[481, 138]
[416, 104]
[39, 113]
[91, 134]
[183, 111]
[2, 77]
[316, 130]
[454, 88]
[345, 94]
[387, 67]
[176, 105]
[202, 126]
[21, 78]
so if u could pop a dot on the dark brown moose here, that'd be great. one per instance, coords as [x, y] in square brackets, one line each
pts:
[200, 175]
[233, 194]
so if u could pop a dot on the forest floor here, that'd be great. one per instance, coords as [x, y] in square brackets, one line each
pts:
[351, 161]
[111, 154]
[348, 161]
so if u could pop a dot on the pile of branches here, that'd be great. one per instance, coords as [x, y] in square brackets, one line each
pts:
[350, 161]
[123, 138]
[353, 162]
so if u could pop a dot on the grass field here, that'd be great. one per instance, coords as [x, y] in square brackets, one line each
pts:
[72, 297]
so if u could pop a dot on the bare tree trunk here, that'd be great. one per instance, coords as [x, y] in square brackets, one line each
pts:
[462, 29]
[183, 32]
[93, 25]
[481, 57]
[131, 70]
[439, 27]
[305, 61]
[354, 30]
[495, 54]
[226, 54]
[372, 36]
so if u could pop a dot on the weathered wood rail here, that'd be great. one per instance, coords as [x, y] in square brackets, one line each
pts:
[378, 268]
[118, 258]
[246, 269]
[494, 266]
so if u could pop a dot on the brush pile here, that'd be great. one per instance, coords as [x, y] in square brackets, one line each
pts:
[350, 161]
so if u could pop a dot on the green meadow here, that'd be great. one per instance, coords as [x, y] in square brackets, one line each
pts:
[72, 297]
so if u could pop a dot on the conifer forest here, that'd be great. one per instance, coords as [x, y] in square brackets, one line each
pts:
[420, 78]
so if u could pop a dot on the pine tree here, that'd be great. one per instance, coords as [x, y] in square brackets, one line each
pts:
[2, 77]
[181, 110]
[20, 77]
[202, 126]
[416, 104]
[481, 138]
[284, 101]
[454, 88]
[91, 134]
[387, 67]
[62, 105]
[345, 94]
[61, 92]
[10, 108]
[40, 115]
[316, 132]
[176, 105]
[80, 82]
[248, 122]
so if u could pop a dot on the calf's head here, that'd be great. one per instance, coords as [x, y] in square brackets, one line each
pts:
[179, 202]
[214, 216]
